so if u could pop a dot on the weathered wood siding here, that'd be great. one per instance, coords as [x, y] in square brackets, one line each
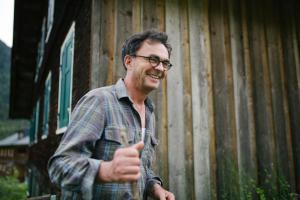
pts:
[229, 108]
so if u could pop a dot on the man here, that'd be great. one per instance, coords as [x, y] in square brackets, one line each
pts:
[92, 160]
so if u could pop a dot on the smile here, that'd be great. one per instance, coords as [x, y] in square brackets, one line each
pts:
[154, 76]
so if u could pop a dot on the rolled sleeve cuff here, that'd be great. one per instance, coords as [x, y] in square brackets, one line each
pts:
[89, 178]
[150, 183]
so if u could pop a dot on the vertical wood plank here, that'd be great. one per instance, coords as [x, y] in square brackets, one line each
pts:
[202, 103]
[136, 16]
[296, 39]
[262, 99]
[245, 139]
[177, 171]
[295, 22]
[95, 44]
[107, 43]
[281, 119]
[223, 101]
[150, 19]
[252, 170]
[163, 102]
[153, 18]
[291, 163]
[291, 85]
[123, 29]
[187, 100]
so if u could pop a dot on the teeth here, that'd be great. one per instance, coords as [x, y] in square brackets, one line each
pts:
[154, 76]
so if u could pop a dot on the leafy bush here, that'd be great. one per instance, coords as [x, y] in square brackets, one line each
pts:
[241, 186]
[12, 189]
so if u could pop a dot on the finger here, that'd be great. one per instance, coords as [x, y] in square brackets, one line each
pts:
[162, 196]
[130, 161]
[127, 152]
[138, 146]
[129, 170]
[130, 177]
[170, 196]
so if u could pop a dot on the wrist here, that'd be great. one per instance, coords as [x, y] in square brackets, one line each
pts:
[104, 172]
[156, 190]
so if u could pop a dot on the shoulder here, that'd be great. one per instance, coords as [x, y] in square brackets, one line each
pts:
[101, 92]
[97, 97]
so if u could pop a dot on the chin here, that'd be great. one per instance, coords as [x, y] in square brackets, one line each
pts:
[150, 87]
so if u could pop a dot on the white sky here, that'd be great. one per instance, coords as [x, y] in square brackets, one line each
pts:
[6, 21]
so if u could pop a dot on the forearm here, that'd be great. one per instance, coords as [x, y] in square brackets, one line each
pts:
[71, 172]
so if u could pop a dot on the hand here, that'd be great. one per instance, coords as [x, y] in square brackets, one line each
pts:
[162, 194]
[124, 167]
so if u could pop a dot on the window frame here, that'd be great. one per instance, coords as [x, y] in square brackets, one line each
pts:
[34, 125]
[40, 50]
[50, 17]
[71, 33]
[48, 83]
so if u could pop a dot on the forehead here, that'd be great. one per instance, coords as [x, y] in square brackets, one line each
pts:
[153, 48]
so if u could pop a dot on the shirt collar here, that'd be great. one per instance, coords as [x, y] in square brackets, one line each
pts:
[121, 92]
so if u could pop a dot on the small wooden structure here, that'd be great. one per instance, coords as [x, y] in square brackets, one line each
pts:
[14, 155]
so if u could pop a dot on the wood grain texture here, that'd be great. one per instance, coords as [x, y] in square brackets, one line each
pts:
[175, 85]
[107, 43]
[95, 44]
[201, 99]
[231, 101]
[123, 29]
[240, 63]
[187, 100]
[290, 73]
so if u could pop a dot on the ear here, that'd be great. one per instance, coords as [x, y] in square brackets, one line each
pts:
[127, 61]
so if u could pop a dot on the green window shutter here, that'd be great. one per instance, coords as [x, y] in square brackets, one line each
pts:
[46, 106]
[32, 128]
[65, 83]
[37, 120]
[34, 124]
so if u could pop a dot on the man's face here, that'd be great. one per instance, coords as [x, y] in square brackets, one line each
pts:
[145, 76]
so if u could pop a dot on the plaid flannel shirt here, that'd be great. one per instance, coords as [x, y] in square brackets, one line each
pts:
[92, 136]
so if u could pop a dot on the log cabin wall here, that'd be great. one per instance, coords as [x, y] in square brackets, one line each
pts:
[229, 108]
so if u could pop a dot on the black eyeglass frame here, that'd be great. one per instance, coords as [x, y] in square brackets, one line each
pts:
[155, 61]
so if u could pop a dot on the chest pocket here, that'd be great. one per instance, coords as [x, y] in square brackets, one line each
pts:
[111, 141]
[149, 149]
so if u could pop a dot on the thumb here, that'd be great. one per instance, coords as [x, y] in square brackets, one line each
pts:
[138, 146]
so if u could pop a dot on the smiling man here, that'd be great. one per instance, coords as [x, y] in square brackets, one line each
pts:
[92, 161]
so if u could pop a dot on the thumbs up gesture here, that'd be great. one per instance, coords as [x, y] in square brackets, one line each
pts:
[125, 165]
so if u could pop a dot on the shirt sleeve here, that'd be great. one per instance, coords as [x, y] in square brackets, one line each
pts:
[152, 178]
[72, 167]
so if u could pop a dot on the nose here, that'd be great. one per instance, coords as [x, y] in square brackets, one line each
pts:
[160, 67]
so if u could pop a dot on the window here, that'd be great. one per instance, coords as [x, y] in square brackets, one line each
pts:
[50, 17]
[65, 81]
[40, 50]
[47, 93]
[34, 124]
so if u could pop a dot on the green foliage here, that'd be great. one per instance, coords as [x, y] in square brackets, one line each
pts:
[251, 189]
[12, 189]
[274, 187]
[8, 127]
[5, 53]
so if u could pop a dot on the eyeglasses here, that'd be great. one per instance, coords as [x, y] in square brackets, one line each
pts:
[155, 61]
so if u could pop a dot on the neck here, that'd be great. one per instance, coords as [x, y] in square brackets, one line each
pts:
[138, 97]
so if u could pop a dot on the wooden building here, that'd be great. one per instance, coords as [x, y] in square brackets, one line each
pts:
[14, 155]
[227, 114]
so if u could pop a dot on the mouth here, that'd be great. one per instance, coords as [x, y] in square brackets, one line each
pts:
[157, 76]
